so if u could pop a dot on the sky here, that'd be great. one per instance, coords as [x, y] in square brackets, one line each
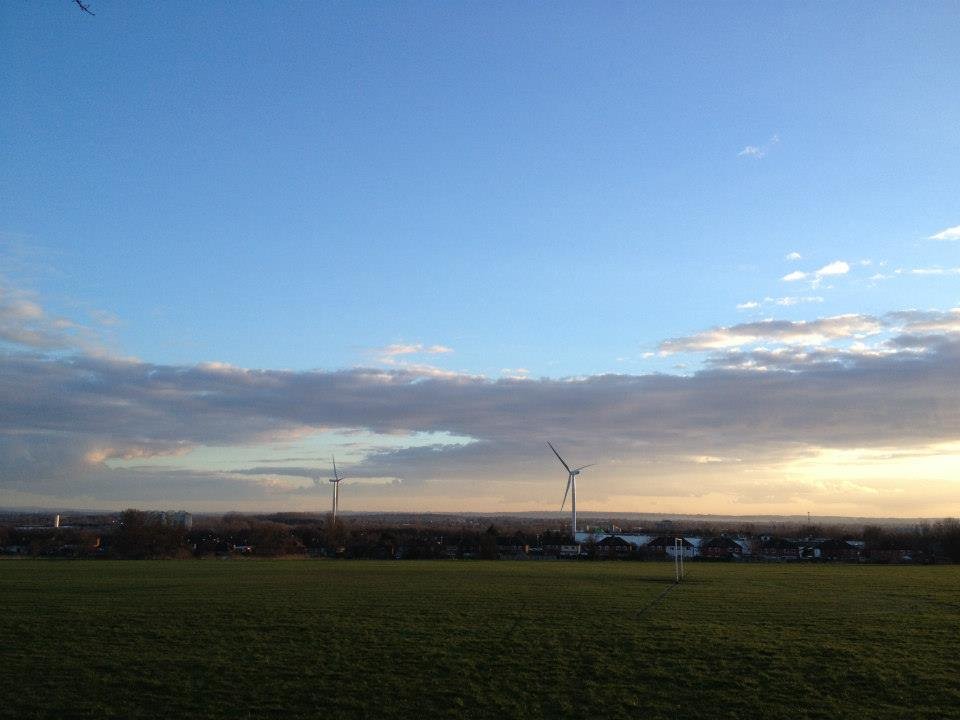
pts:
[710, 247]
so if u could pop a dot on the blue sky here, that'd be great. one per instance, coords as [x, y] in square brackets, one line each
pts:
[464, 190]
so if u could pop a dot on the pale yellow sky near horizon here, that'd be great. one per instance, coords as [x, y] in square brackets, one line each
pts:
[908, 482]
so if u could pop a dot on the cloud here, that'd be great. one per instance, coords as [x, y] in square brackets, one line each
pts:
[931, 322]
[516, 373]
[63, 418]
[759, 151]
[804, 342]
[67, 420]
[935, 271]
[104, 318]
[310, 473]
[838, 267]
[951, 233]
[793, 256]
[786, 301]
[794, 300]
[396, 356]
[803, 359]
[812, 332]
[24, 323]
[413, 349]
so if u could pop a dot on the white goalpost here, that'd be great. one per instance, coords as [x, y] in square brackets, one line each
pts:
[678, 558]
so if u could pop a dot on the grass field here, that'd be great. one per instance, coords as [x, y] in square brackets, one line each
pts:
[251, 639]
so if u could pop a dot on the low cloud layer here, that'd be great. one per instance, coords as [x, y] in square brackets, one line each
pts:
[62, 418]
[89, 429]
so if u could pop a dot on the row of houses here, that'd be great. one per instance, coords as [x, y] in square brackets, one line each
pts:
[764, 547]
[631, 545]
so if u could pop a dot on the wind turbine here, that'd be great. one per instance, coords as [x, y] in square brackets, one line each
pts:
[571, 490]
[336, 479]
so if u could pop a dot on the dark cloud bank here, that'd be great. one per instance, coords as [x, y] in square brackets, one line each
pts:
[62, 417]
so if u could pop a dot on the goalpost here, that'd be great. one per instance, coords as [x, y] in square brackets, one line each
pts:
[678, 558]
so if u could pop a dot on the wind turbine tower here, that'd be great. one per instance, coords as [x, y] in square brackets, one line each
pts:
[571, 490]
[336, 480]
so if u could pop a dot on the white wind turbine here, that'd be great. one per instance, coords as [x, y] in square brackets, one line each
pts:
[336, 479]
[571, 490]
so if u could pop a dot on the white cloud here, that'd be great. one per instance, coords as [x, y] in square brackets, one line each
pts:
[935, 271]
[837, 267]
[794, 300]
[515, 373]
[787, 301]
[399, 355]
[759, 151]
[951, 233]
[800, 332]
[413, 349]
[793, 256]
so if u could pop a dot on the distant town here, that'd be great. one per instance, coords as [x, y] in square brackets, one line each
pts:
[137, 534]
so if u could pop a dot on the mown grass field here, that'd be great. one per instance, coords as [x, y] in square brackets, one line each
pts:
[252, 639]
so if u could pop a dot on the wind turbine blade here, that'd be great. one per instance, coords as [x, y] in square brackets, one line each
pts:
[334, 465]
[583, 467]
[566, 492]
[558, 456]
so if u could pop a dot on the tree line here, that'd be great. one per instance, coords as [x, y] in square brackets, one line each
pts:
[140, 535]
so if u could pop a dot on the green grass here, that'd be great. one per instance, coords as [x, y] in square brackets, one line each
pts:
[252, 639]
